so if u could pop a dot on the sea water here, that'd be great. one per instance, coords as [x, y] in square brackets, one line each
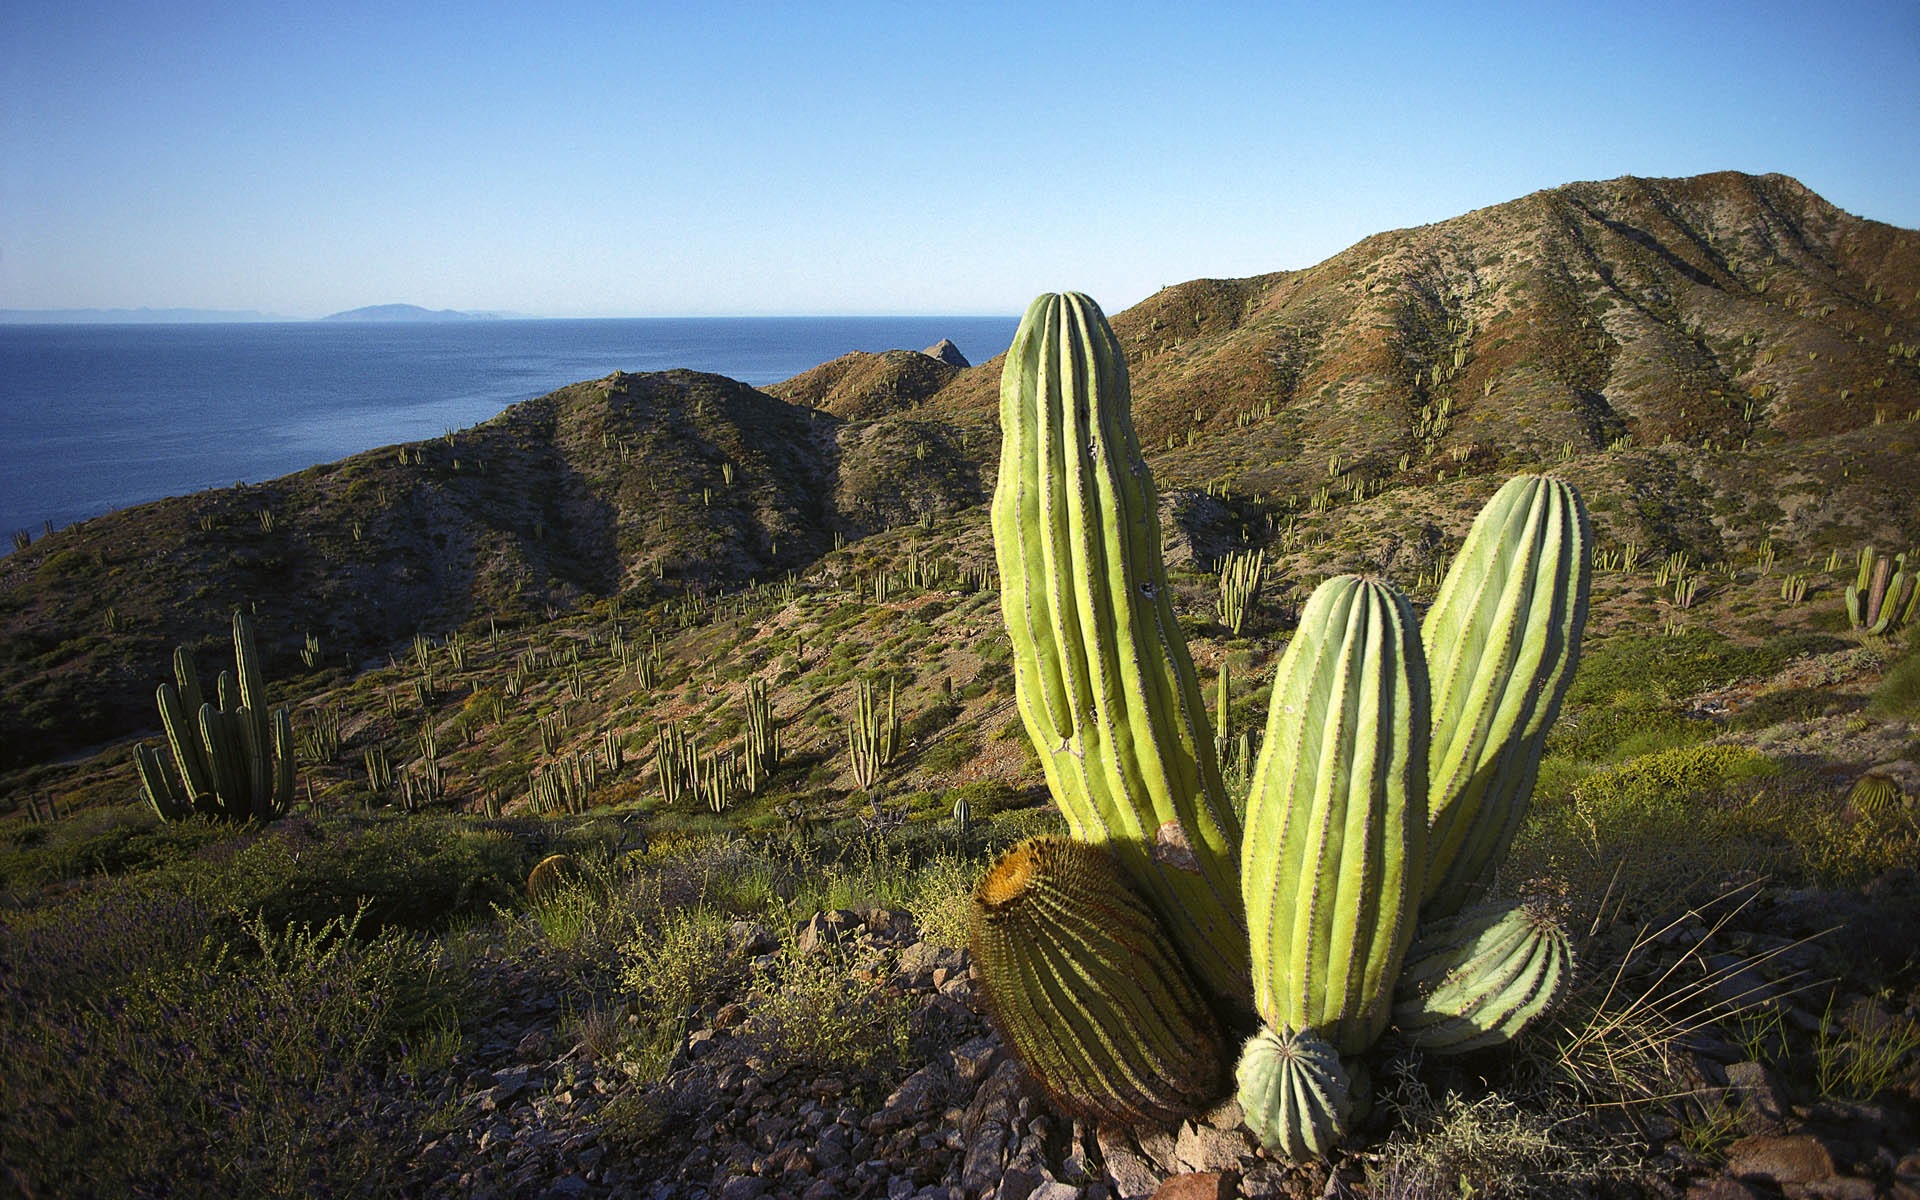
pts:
[98, 417]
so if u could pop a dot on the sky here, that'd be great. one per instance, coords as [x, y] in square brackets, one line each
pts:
[584, 159]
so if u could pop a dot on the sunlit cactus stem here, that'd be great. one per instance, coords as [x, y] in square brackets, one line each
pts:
[1502, 640]
[1103, 679]
[1335, 845]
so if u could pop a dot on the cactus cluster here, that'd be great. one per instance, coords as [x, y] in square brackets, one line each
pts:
[1396, 765]
[873, 737]
[232, 760]
[1884, 595]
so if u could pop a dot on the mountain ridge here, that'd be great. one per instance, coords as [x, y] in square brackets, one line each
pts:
[1717, 360]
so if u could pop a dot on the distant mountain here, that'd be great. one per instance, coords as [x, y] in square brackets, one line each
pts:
[132, 316]
[410, 312]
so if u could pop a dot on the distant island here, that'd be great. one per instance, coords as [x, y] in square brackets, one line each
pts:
[410, 312]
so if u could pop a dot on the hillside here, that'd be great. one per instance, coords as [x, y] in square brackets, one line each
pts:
[758, 981]
[1719, 360]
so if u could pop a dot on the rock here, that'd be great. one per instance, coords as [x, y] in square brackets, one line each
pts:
[744, 1187]
[570, 1188]
[1796, 1158]
[1160, 1147]
[1014, 1185]
[919, 1095]
[1721, 1188]
[1753, 1086]
[1132, 1175]
[1840, 1187]
[975, 1059]
[1206, 1148]
[948, 353]
[1053, 1189]
[1200, 1185]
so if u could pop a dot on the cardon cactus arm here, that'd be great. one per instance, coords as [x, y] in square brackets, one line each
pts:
[1104, 682]
[1335, 844]
[1502, 640]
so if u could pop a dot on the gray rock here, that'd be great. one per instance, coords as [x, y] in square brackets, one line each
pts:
[1754, 1088]
[744, 1187]
[1132, 1174]
[920, 1094]
[1205, 1148]
[948, 353]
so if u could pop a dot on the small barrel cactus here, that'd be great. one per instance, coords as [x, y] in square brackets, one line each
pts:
[1293, 1091]
[1476, 979]
[551, 874]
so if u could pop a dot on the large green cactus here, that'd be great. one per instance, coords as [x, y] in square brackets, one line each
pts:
[1501, 642]
[1396, 765]
[1082, 982]
[234, 760]
[1335, 842]
[1102, 675]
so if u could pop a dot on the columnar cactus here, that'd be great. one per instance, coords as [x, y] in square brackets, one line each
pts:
[1104, 682]
[1082, 982]
[1335, 845]
[234, 761]
[1239, 588]
[1501, 641]
[1885, 595]
[872, 739]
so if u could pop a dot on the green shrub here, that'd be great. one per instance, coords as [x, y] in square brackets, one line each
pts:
[1899, 692]
[224, 1074]
[811, 1010]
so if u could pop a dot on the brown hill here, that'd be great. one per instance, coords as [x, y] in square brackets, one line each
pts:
[1717, 360]
[860, 385]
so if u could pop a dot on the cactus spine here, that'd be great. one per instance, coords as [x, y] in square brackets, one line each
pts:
[1501, 642]
[1082, 982]
[1336, 822]
[233, 761]
[1103, 679]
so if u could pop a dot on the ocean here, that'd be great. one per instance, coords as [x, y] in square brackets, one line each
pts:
[99, 417]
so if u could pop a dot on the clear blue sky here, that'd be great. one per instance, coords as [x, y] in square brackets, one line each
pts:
[586, 159]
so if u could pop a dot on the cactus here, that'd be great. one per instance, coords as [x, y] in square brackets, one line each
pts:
[1501, 640]
[549, 875]
[1336, 833]
[234, 761]
[1082, 982]
[1293, 1091]
[1884, 594]
[761, 749]
[872, 740]
[1239, 588]
[1474, 980]
[1396, 763]
[1103, 680]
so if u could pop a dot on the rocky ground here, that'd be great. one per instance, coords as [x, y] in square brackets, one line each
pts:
[959, 1121]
